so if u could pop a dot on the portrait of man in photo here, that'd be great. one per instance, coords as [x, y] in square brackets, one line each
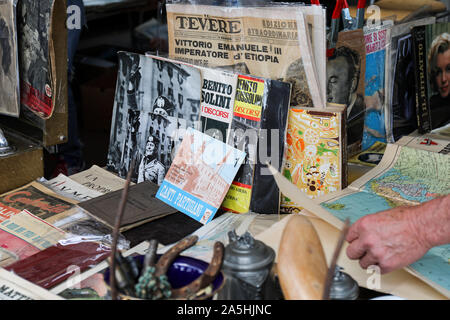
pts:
[343, 74]
[150, 168]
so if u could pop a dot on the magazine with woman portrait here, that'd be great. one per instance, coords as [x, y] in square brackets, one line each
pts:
[437, 37]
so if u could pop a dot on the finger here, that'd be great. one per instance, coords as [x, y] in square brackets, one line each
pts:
[367, 260]
[356, 250]
[352, 233]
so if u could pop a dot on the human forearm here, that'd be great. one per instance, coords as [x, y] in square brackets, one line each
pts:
[432, 221]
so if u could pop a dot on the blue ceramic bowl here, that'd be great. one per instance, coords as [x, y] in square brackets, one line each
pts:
[183, 271]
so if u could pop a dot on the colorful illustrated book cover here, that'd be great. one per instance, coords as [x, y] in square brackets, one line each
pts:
[200, 176]
[244, 136]
[315, 158]
[156, 100]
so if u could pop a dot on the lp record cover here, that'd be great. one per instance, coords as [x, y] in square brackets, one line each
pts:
[156, 100]
[9, 61]
[200, 176]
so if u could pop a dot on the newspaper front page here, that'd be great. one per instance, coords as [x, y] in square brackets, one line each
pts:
[251, 40]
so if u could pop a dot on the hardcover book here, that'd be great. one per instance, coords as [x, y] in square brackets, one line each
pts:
[316, 152]
[142, 206]
[200, 176]
[156, 100]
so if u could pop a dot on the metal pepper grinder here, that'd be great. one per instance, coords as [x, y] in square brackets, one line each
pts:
[343, 286]
[5, 148]
[247, 268]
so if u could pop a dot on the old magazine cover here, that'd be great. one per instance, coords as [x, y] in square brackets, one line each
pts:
[156, 100]
[41, 60]
[244, 135]
[377, 40]
[346, 76]
[248, 40]
[316, 153]
[200, 176]
[37, 199]
[9, 61]
[401, 92]
[24, 234]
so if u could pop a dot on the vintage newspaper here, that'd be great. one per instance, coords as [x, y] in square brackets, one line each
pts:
[9, 61]
[69, 188]
[99, 179]
[405, 176]
[250, 40]
[13, 287]
[24, 234]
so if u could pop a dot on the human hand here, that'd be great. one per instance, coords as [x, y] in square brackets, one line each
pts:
[389, 239]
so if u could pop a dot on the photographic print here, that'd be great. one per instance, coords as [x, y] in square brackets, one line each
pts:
[9, 63]
[156, 100]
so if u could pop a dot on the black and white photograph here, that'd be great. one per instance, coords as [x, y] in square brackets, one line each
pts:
[156, 101]
[34, 59]
[9, 65]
